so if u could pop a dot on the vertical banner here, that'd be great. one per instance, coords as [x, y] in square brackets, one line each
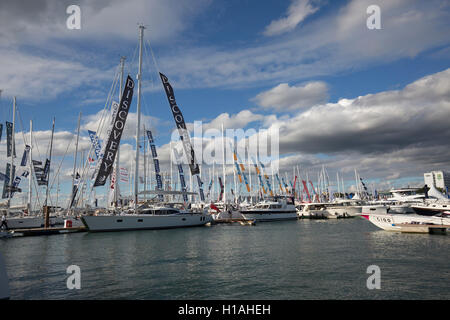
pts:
[75, 189]
[181, 125]
[159, 184]
[10, 148]
[25, 155]
[221, 189]
[258, 172]
[305, 187]
[181, 173]
[200, 188]
[267, 179]
[95, 143]
[6, 183]
[107, 160]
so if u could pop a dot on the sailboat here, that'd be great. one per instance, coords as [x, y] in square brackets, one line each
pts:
[142, 216]
[20, 217]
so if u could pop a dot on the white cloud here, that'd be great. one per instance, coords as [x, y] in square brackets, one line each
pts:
[298, 11]
[286, 98]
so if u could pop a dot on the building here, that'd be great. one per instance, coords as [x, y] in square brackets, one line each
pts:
[440, 179]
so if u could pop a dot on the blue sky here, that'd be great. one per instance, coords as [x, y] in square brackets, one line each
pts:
[284, 62]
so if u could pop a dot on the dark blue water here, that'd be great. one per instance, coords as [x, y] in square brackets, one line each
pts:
[279, 260]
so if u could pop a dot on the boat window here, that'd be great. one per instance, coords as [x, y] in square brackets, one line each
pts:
[119, 220]
[140, 220]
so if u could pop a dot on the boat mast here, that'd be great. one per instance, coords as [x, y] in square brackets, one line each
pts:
[75, 160]
[138, 126]
[224, 173]
[13, 147]
[49, 162]
[249, 174]
[145, 165]
[116, 187]
[30, 166]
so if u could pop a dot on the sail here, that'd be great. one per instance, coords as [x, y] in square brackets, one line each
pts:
[113, 141]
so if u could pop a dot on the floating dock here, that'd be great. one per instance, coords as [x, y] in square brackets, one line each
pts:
[45, 231]
[424, 228]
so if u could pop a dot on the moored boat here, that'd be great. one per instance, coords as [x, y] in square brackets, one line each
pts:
[277, 208]
[380, 217]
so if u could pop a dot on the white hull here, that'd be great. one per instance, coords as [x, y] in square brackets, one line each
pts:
[32, 222]
[343, 211]
[393, 222]
[144, 221]
[269, 216]
[224, 215]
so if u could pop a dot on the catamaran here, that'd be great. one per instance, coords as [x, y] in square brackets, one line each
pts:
[144, 216]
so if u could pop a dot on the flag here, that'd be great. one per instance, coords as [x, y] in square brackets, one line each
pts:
[212, 206]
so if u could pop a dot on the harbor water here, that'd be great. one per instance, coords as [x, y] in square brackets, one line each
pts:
[304, 259]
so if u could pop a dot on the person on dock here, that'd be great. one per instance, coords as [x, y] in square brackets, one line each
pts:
[4, 223]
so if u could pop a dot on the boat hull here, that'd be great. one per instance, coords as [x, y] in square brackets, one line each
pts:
[32, 222]
[143, 222]
[391, 222]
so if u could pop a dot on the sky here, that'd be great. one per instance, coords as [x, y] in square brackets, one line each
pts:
[342, 96]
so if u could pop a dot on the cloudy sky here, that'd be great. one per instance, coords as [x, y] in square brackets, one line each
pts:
[342, 95]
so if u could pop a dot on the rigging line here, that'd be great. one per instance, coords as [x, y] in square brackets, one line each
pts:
[101, 123]
[31, 174]
[133, 59]
[86, 165]
[153, 56]
[60, 164]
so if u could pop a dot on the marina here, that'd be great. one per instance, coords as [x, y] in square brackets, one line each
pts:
[307, 259]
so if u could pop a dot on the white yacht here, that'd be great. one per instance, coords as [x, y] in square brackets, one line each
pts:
[344, 208]
[277, 208]
[314, 210]
[145, 219]
[382, 218]
[431, 208]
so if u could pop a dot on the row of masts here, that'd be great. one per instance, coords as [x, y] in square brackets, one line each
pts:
[323, 182]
